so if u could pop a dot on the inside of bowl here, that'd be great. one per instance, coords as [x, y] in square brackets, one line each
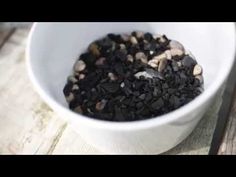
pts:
[56, 46]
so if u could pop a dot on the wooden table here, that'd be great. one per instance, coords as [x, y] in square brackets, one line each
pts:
[29, 126]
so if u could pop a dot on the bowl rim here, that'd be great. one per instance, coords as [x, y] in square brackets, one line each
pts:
[134, 125]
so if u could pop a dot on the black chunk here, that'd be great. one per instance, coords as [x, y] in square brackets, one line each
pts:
[157, 104]
[152, 46]
[119, 69]
[111, 87]
[121, 55]
[115, 38]
[188, 62]
[106, 43]
[88, 58]
[139, 105]
[118, 114]
[175, 66]
[67, 89]
[148, 36]
[142, 97]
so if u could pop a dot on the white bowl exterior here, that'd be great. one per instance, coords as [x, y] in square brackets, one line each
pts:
[54, 47]
[153, 140]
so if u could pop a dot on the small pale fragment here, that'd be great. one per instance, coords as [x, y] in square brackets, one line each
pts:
[139, 34]
[112, 76]
[79, 66]
[133, 40]
[162, 39]
[144, 60]
[162, 65]
[151, 52]
[157, 36]
[197, 70]
[153, 65]
[142, 73]
[168, 54]
[81, 76]
[72, 79]
[141, 56]
[176, 52]
[160, 57]
[157, 59]
[130, 58]
[125, 37]
[179, 63]
[75, 87]
[122, 46]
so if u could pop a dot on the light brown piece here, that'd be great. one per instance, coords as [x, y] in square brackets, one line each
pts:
[101, 105]
[93, 48]
[162, 65]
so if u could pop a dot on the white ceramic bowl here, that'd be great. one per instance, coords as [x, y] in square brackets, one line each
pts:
[54, 47]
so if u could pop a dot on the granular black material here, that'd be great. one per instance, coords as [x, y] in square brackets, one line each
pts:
[128, 77]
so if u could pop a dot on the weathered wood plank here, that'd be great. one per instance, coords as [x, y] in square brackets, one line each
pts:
[27, 125]
[71, 143]
[228, 146]
[4, 35]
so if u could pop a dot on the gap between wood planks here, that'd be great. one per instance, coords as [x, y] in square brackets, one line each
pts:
[228, 145]
[5, 35]
[56, 139]
[225, 132]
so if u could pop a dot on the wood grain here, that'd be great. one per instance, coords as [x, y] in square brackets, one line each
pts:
[27, 125]
[4, 36]
[228, 146]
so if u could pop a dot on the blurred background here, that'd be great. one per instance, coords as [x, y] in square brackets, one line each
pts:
[10, 25]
